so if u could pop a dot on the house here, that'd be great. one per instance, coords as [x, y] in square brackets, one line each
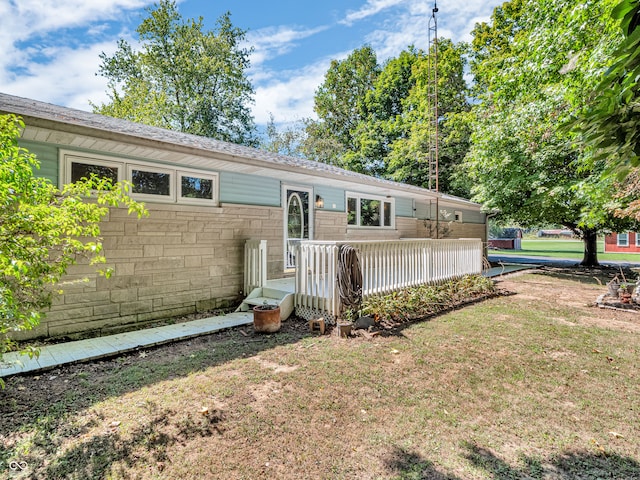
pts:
[206, 198]
[628, 242]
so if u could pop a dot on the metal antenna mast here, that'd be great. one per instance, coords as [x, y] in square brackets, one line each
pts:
[432, 98]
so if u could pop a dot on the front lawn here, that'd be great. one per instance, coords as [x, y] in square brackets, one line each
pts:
[565, 248]
[535, 384]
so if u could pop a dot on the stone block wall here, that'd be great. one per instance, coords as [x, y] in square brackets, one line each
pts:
[184, 259]
[178, 260]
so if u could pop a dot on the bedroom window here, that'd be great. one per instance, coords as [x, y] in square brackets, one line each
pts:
[149, 182]
[370, 211]
[197, 188]
[76, 168]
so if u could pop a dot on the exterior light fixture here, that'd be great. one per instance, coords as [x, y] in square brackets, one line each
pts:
[319, 201]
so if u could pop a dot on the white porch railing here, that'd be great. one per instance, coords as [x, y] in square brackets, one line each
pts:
[255, 264]
[386, 266]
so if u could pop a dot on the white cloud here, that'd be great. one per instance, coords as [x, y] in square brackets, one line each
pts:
[40, 16]
[271, 42]
[371, 8]
[41, 59]
[290, 96]
[69, 78]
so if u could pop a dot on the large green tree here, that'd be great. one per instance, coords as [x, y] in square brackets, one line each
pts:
[534, 64]
[409, 153]
[43, 230]
[339, 103]
[377, 119]
[183, 77]
[610, 123]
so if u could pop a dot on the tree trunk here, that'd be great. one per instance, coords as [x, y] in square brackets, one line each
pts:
[590, 239]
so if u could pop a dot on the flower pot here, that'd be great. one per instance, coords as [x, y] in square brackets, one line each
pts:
[344, 329]
[613, 287]
[266, 318]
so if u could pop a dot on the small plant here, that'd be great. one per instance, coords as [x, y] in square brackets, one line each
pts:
[265, 306]
[426, 300]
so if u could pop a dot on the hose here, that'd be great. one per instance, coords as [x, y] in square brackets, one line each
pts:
[349, 278]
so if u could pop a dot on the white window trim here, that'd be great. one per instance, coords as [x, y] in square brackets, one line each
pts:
[358, 197]
[171, 198]
[125, 167]
[620, 244]
[196, 201]
[637, 239]
[457, 215]
[68, 157]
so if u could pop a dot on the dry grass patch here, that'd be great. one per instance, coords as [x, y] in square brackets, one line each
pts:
[523, 386]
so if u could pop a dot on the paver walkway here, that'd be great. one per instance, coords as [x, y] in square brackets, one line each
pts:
[54, 355]
[93, 348]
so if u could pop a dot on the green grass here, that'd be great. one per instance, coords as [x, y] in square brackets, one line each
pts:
[572, 249]
[532, 385]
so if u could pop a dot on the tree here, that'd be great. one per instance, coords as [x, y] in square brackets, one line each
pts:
[285, 141]
[383, 122]
[534, 64]
[43, 230]
[183, 78]
[375, 119]
[409, 153]
[339, 102]
[610, 123]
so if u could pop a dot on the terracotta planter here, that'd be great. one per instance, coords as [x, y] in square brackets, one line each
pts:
[266, 318]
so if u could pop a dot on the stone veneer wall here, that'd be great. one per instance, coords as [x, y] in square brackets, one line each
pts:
[454, 230]
[183, 259]
[332, 226]
[178, 260]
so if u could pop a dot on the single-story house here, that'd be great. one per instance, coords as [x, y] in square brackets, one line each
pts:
[628, 242]
[206, 198]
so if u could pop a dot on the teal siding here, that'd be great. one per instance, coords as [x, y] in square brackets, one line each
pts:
[249, 189]
[472, 216]
[331, 196]
[423, 210]
[468, 215]
[404, 207]
[47, 156]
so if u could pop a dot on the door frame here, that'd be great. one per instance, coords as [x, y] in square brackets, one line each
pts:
[285, 215]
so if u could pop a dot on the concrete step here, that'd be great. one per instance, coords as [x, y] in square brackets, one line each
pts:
[263, 300]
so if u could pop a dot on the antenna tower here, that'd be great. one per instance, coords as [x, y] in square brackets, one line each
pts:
[432, 98]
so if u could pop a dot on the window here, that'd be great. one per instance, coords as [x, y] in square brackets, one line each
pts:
[149, 182]
[623, 239]
[76, 168]
[196, 188]
[637, 239]
[458, 216]
[352, 211]
[369, 211]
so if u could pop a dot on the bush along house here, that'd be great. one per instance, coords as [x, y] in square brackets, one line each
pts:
[207, 200]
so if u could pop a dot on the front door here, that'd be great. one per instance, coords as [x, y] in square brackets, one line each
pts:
[298, 218]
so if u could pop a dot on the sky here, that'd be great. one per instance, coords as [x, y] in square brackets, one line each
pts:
[50, 49]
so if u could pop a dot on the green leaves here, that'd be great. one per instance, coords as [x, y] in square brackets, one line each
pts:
[183, 77]
[536, 64]
[610, 125]
[44, 230]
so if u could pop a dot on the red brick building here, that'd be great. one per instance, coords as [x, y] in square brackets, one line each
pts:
[628, 242]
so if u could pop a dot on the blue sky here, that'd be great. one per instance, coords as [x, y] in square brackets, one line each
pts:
[50, 48]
